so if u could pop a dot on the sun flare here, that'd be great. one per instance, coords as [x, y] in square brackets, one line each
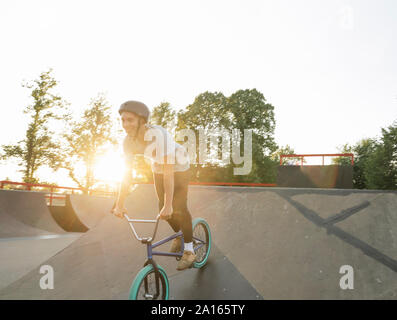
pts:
[110, 168]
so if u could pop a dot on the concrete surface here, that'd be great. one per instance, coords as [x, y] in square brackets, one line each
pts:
[90, 209]
[269, 243]
[29, 208]
[18, 256]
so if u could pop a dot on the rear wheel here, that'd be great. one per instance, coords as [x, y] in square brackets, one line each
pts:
[201, 242]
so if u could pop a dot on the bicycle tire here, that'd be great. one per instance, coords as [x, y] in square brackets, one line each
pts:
[138, 283]
[202, 255]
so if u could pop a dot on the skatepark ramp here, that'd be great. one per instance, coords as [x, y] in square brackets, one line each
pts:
[81, 212]
[25, 213]
[268, 243]
[29, 234]
[90, 209]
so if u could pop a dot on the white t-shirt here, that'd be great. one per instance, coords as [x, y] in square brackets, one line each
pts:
[160, 144]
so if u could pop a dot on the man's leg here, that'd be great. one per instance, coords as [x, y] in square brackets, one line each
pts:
[158, 182]
[181, 218]
[181, 213]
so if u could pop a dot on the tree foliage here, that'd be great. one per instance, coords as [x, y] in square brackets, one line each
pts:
[276, 155]
[244, 109]
[39, 146]
[375, 161]
[250, 110]
[88, 139]
[381, 166]
[163, 115]
[343, 161]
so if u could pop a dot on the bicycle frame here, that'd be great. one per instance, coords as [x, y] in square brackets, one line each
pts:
[148, 241]
[150, 247]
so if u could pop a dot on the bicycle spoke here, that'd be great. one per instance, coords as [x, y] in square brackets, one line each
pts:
[200, 233]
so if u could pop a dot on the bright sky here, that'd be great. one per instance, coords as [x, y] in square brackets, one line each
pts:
[328, 67]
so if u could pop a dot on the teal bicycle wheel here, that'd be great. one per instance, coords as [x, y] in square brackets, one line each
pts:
[144, 285]
[201, 242]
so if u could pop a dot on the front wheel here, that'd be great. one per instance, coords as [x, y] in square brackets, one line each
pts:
[144, 285]
[201, 241]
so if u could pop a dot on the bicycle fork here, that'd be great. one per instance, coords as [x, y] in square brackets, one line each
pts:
[156, 273]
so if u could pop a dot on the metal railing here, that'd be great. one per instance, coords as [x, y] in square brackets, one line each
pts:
[301, 156]
[53, 195]
[56, 195]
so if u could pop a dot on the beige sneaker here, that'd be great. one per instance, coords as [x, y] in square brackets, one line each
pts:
[187, 260]
[176, 245]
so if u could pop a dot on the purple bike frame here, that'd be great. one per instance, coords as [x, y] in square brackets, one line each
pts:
[151, 246]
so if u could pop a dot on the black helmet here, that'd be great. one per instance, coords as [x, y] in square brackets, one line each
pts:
[136, 107]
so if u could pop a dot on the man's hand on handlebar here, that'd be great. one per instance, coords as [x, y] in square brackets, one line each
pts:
[165, 213]
[119, 212]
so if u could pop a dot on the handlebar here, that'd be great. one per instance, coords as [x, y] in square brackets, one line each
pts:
[143, 239]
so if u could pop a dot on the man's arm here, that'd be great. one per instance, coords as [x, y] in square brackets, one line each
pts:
[119, 208]
[125, 184]
[168, 183]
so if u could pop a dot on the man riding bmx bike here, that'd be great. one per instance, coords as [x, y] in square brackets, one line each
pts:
[170, 174]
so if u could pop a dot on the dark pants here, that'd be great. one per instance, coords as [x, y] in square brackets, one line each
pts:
[181, 218]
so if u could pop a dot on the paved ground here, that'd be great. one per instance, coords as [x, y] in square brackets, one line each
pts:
[29, 234]
[19, 256]
[269, 243]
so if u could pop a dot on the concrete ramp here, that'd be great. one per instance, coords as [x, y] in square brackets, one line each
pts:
[28, 234]
[10, 227]
[270, 243]
[291, 243]
[67, 218]
[20, 255]
[89, 209]
[29, 210]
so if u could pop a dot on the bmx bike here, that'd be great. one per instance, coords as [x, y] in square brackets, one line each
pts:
[151, 282]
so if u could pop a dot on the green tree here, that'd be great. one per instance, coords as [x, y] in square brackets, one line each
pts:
[362, 150]
[88, 139]
[343, 161]
[381, 166]
[250, 110]
[39, 147]
[283, 150]
[244, 109]
[206, 113]
[164, 116]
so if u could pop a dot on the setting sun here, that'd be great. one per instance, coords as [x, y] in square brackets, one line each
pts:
[110, 167]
